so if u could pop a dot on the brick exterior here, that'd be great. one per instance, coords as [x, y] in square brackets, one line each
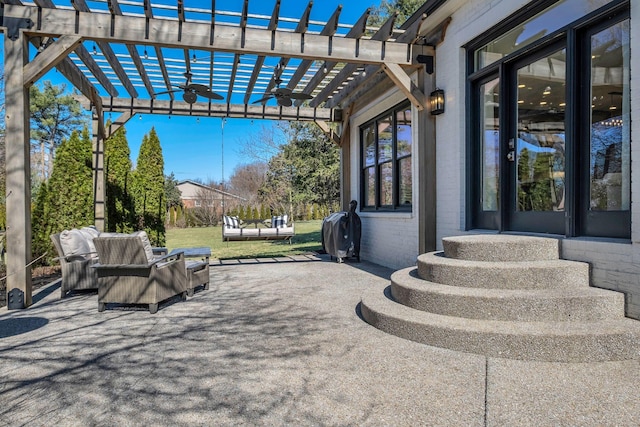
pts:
[390, 239]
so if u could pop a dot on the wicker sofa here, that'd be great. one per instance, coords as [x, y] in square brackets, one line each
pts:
[129, 273]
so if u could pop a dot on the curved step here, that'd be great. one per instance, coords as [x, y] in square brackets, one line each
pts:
[501, 247]
[550, 274]
[543, 341]
[566, 305]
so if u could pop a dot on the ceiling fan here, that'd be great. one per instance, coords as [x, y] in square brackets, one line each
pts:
[283, 96]
[193, 90]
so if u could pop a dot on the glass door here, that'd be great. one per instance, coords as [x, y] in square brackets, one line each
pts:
[536, 144]
[487, 154]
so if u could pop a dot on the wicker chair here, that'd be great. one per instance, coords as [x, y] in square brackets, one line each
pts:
[129, 274]
[77, 271]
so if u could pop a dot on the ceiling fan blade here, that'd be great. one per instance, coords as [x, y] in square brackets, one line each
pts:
[282, 91]
[285, 101]
[300, 96]
[265, 99]
[168, 91]
[204, 91]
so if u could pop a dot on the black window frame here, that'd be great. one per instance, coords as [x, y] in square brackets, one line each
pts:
[395, 160]
[575, 35]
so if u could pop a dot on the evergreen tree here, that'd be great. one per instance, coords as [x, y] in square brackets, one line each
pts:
[40, 228]
[150, 205]
[54, 116]
[66, 201]
[172, 194]
[119, 204]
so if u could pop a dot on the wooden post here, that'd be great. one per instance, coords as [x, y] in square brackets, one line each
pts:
[98, 176]
[18, 177]
[426, 170]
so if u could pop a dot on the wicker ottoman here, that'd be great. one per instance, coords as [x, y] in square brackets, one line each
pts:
[197, 275]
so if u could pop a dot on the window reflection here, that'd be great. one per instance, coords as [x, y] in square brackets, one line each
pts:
[551, 19]
[386, 149]
[541, 134]
[490, 144]
[610, 153]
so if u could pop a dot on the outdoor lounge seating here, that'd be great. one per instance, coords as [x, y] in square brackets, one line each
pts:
[77, 255]
[234, 230]
[128, 272]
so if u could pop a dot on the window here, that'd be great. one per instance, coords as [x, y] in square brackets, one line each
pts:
[549, 121]
[197, 203]
[386, 146]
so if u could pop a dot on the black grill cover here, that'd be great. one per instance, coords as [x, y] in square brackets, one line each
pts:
[341, 232]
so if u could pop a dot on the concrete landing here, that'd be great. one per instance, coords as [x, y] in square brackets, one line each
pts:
[278, 344]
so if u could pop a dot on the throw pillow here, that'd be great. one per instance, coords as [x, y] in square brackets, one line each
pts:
[231, 221]
[279, 221]
[89, 234]
[73, 242]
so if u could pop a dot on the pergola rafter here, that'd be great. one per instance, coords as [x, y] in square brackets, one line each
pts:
[103, 49]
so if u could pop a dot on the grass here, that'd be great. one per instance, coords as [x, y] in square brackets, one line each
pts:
[307, 239]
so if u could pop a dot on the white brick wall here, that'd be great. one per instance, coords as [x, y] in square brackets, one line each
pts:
[391, 240]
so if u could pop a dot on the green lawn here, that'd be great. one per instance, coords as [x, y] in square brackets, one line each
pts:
[307, 239]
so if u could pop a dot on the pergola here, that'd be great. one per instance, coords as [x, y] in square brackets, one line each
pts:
[130, 57]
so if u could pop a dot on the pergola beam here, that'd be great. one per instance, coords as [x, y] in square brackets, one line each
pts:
[273, 25]
[331, 134]
[50, 57]
[180, 108]
[301, 28]
[329, 30]
[403, 81]
[118, 123]
[356, 32]
[383, 34]
[196, 35]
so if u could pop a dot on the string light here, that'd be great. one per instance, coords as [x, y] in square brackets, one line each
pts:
[146, 55]
[95, 51]
[194, 58]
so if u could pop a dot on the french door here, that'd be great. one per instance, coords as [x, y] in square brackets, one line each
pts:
[535, 143]
[550, 136]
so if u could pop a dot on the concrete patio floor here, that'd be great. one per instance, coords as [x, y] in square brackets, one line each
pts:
[274, 343]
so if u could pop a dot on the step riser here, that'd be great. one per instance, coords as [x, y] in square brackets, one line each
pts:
[501, 247]
[505, 296]
[522, 309]
[562, 348]
[541, 275]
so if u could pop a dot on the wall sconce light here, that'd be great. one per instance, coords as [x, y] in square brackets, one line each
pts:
[436, 99]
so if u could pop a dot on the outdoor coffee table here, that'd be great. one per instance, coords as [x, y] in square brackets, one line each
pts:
[197, 271]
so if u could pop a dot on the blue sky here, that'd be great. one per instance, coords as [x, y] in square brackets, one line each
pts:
[192, 148]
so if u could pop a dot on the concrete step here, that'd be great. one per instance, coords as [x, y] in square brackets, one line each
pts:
[564, 305]
[501, 247]
[604, 340]
[549, 274]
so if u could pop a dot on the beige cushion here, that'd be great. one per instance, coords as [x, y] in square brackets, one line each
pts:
[232, 231]
[146, 244]
[74, 242]
[89, 233]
